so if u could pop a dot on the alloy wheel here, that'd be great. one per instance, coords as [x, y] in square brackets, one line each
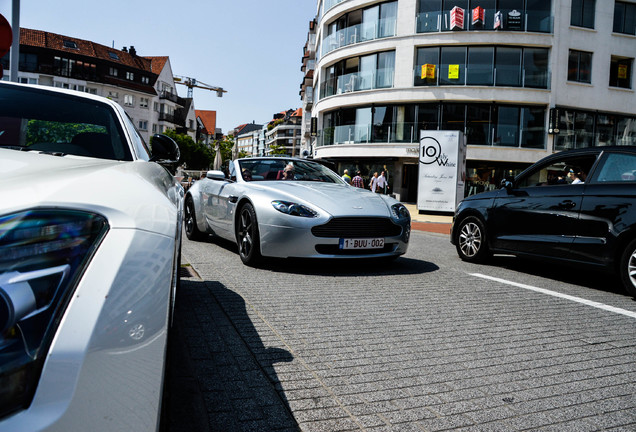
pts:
[470, 239]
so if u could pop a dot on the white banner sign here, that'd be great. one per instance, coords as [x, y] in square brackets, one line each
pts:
[442, 170]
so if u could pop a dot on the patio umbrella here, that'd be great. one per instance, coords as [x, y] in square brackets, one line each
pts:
[217, 158]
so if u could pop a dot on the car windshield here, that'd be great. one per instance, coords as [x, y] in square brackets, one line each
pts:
[255, 169]
[50, 122]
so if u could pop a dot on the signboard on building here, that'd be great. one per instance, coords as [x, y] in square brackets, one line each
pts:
[428, 71]
[457, 18]
[442, 156]
[479, 15]
[498, 21]
[453, 71]
[514, 20]
[314, 126]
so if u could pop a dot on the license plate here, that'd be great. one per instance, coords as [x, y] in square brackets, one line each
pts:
[364, 243]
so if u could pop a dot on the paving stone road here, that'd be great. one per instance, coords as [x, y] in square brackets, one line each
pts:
[418, 345]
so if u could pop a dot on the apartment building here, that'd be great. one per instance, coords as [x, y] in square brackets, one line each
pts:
[285, 130]
[143, 86]
[520, 78]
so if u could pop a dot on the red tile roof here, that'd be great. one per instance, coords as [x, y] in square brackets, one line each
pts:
[157, 63]
[53, 41]
[208, 118]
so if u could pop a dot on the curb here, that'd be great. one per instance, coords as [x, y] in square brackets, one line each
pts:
[435, 227]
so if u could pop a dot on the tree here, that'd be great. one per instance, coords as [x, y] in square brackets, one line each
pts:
[195, 155]
[275, 149]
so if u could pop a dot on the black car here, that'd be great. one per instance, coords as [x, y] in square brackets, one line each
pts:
[577, 206]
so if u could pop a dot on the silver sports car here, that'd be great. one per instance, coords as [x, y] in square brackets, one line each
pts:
[286, 207]
[90, 235]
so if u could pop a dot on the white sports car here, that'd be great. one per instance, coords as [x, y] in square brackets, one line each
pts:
[285, 207]
[89, 254]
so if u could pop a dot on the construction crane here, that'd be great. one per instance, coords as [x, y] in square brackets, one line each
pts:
[191, 83]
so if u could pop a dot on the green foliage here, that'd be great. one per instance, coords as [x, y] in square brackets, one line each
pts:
[195, 155]
[277, 150]
[41, 131]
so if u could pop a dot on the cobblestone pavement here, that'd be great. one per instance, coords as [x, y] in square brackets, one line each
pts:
[422, 344]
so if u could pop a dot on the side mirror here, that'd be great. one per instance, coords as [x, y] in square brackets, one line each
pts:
[506, 184]
[164, 149]
[215, 175]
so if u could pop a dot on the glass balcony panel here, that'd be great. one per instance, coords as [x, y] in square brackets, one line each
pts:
[428, 22]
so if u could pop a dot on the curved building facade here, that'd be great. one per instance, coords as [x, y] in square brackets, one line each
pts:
[520, 78]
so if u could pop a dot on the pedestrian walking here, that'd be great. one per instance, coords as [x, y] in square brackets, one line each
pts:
[346, 177]
[373, 184]
[382, 183]
[357, 181]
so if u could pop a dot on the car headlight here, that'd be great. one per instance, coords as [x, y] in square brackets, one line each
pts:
[400, 211]
[294, 209]
[43, 254]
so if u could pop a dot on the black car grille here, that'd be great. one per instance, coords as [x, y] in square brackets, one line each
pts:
[357, 227]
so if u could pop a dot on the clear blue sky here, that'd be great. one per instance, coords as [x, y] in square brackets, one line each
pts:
[251, 48]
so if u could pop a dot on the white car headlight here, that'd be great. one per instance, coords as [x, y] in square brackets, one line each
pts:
[43, 254]
[400, 211]
[294, 209]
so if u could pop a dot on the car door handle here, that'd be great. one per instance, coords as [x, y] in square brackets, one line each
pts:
[232, 198]
[566, 205]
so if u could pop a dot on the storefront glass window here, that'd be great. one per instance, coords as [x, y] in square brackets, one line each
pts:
[453, 116]
[507, 131]
[478, 124]
[533, 127]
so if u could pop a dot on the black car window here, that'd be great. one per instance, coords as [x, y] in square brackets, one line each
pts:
[558, 172]
[617, 167]
[39, 120]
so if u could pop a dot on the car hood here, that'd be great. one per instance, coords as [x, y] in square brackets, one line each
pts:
[129, 194]
[335, 199]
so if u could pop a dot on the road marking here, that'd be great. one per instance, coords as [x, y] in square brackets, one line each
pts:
[559, 295]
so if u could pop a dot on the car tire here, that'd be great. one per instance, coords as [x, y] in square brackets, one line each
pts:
[247, 236]
[627, 268]
[472, 243]
[190, 223]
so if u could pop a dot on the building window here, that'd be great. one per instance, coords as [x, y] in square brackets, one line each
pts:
[144, 102]
[580, 129]
[113, 94]
[28, 62]
[129, 100]
[69, 44]
[582, 13]
[91, 90]
[482, 123]
[359, 73]
[130, 76]
[145, 80]
[113, 55]
[377, 21]
[625, 18]
[113, 71]
[580, 66]
[621, 72]
[154, 128]
[501, 15]
[475, 65]
[155, 106]
[143, 125]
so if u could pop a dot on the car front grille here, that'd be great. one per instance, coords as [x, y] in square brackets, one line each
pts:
[357, 227]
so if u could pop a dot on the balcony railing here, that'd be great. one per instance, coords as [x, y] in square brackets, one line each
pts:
[357, 81]
[509, 77]
[331, 3]
[438, 21]
[168, 95]
[359, 33]
[166, 117]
